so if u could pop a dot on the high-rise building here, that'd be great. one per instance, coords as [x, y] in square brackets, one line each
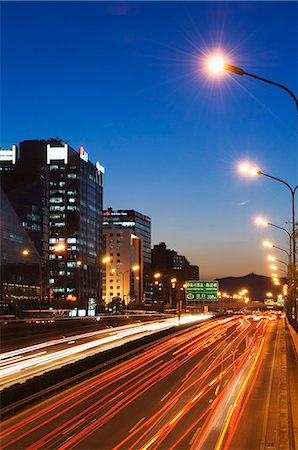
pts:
[168, 265]
[19, 263]
[141, 227]
[123, 266]
[57, 194]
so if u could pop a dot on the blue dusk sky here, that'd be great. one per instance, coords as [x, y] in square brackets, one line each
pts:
[128, 81]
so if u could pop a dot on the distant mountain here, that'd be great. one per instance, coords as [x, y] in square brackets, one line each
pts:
[257, 285]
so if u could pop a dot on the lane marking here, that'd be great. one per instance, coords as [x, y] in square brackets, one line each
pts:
[165, 396]
[137, 424]
[73, 426]
[194, 436]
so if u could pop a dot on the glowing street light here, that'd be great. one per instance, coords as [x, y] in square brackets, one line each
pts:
[264, 222]
[216, 64]
[25, 252]
[60, 247]
[106, 259]
[157, 275]
[269, 244]
[248, 169]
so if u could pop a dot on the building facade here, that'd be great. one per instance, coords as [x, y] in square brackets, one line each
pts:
[140, 225]
[169, 273]
[56, 193]
[123, 267]
[19, 263]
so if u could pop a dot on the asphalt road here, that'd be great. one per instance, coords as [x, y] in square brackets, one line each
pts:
[184, 391]
[26, 362]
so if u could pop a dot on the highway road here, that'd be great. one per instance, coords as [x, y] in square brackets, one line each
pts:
[26, 362]
[185, 391]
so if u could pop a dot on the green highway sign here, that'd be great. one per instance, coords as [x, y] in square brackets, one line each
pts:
[201, 291]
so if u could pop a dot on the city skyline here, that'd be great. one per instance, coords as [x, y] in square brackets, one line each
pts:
[131, 87]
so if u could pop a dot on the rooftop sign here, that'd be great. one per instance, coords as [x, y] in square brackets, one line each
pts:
[57, 153]
[9, 154]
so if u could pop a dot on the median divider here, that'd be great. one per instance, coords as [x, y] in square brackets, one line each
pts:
[294, 335]
[21, 395]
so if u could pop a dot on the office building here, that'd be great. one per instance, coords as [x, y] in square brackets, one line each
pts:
[168, 265]
[123, 266]
[19, 263]
[140, 224]
[56, 193]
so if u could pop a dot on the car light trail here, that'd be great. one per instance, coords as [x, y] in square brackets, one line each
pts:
[208, 361]
[22, 364]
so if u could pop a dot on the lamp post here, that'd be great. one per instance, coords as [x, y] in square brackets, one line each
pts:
[26, 252]
[271, 245]
[250, 170]
[134, 269]
[60, 247]
[217, 65]
[263, 222]
[173, 287]
[273, 259]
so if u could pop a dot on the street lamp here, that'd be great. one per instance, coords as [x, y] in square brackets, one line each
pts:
[248, 169]
[60, 247]
[134, 269]
[273, 259]
[264, 222]
[269, 244]
[173, 286]
[106, 259]
[26, 252]
[217, 65]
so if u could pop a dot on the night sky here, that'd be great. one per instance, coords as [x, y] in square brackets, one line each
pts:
[128, 81]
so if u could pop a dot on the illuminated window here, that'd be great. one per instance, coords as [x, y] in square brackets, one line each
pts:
[56, 200]
[57, 208]
[71, 240]
[71, 264]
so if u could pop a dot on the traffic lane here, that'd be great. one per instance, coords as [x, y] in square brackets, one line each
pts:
[19, 365]
[98, 413]
[49, 413]
[258, 425]
[16, 335]
[181, 426]
[161, 425]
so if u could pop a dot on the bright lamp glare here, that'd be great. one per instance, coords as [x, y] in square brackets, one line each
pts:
[247, 169]
[271, 258]
[216, 64]
[267, 244]
[261, 221]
